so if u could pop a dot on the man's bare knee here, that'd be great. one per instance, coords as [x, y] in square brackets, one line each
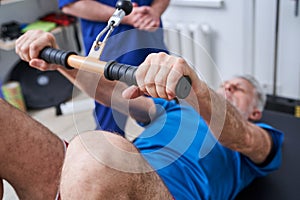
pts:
[102, 165]
[97, 165]
[108, 149]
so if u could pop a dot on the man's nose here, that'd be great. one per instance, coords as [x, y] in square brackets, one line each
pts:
[229, 87]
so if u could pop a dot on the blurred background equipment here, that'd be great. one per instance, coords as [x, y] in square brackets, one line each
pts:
[10, 30]
[41, 89]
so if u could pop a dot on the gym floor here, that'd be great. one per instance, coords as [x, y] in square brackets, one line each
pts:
[66, 126]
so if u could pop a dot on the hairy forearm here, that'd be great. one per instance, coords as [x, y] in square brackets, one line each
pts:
[223, 119]
[109, 93]
[90, 10]
[210, 106]
[228, 125]
[160, 6]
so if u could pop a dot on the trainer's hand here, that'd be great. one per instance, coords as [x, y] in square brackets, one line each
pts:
[147, 19]
[158, 76]
[143, 18]
[29, 45]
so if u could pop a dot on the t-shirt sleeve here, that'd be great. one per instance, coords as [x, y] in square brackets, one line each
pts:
[275, 162]
[162, 106]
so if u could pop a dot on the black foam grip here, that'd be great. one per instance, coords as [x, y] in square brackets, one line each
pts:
[56, 56]
[122, 72]
[126, 73]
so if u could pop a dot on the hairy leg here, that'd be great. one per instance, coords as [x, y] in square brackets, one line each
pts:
[31, 156]
[101, 165]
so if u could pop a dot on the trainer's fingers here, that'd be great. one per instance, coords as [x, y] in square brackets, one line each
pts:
[153, 26]
[145, 22]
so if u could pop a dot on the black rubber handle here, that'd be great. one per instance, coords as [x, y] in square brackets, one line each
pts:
[126, 73]
[56, 56]
[125, 5]
[112, 70]
[121, 72]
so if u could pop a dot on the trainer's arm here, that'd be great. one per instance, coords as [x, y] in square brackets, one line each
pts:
[159, 6]
[99, 12]
[90, 10]
[148, 18]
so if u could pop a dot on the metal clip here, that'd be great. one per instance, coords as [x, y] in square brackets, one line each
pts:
[113, 22]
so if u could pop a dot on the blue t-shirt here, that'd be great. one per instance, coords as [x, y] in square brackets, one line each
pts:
[130, 47]
[190, 160]
[126, 45]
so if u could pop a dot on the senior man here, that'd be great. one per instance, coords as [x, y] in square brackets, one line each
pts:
[207, 146]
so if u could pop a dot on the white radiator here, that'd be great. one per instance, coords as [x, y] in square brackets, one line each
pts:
[193, 43]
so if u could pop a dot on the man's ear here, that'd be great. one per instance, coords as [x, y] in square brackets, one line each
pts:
[255, 115]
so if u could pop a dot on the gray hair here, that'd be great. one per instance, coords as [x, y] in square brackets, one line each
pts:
[261, 96]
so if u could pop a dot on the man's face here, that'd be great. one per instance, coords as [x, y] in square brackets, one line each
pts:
[241, 94]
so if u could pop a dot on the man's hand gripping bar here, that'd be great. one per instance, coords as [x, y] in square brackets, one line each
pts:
[111, 70]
